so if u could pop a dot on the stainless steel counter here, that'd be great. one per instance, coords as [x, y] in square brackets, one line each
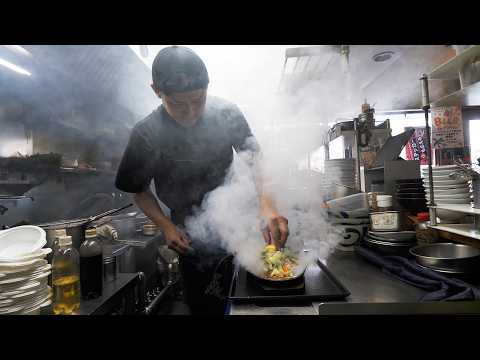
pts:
[366, 283]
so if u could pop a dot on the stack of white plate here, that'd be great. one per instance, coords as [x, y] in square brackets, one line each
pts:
[447, 190]
[340, 171]
[24, 271]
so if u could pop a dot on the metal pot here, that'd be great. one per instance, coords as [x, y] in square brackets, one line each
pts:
[14, 209]
[448, 257]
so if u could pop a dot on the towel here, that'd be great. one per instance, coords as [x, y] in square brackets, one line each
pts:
[438, 287]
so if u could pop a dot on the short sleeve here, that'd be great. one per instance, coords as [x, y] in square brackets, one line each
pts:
[243, 138]
[135, 171]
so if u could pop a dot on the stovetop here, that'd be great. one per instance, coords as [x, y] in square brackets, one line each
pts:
[318, 284]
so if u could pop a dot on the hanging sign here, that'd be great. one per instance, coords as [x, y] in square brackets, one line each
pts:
[416, 148]
[447, 127]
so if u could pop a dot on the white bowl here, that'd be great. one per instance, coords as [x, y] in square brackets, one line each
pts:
[22, 240]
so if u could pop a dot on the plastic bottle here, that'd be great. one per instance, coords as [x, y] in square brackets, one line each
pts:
[66, 278]
[91, 266]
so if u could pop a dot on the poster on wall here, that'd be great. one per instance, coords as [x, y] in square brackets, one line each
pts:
[416, 148]
[447, 127]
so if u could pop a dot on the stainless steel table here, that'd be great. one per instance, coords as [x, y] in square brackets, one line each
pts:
[366, 283]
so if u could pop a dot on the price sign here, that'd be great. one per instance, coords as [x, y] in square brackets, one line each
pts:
[447, 129]
[416, 148]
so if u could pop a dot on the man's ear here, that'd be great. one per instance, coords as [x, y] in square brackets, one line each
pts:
[156, 91]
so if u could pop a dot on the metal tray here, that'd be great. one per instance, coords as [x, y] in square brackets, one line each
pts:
[320, 285]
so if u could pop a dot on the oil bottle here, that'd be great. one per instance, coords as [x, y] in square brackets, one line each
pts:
[66, 278]
[91, 266]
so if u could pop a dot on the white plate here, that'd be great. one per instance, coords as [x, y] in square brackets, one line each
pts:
[28, 306]
[451, 191]
[22, 266]
[446, 182]
[437, 178]
[40, 254]
[444, 167]
[450, 187]
[35, 309]
[35, 276]
[31, 272]
[21, 240]
[28, 287]
[450, 196]
[461, 201]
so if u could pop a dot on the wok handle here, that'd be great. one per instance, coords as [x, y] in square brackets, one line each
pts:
[107, 213]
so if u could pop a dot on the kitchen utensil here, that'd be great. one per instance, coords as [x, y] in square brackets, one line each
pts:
[319, 285]
[75, 227]
[388, 248]
[414, 204]
[400, 236]
[408, 181]
[386, 221]
[448, 256]
[149, 230]
[384, 201]
[109, 268]
[419, 190]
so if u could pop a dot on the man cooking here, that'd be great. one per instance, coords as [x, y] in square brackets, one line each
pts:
[186, 146]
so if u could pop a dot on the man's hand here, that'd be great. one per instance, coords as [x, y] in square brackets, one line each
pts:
[276, 232]
[176, 239]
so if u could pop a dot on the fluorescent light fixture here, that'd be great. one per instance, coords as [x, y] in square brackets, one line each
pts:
[18, 49]
[14, 67]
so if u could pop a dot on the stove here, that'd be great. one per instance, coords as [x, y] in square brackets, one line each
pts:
[317, 284]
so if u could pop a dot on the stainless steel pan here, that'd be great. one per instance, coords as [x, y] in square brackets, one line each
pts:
[448, 257]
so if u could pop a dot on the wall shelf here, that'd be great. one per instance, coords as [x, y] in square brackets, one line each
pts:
[468, 96]
[450, 69]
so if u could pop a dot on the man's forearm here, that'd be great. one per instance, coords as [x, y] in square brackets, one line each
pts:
[149, 205]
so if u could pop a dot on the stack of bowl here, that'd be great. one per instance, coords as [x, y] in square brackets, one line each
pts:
[448, 191]
[410, 195]
[391, 242]
[24, 271]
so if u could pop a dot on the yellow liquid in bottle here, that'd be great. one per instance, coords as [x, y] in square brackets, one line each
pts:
[66, 292]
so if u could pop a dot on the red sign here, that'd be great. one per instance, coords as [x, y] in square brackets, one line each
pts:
[416, 148]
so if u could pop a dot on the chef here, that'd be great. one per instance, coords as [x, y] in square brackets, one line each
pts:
[186, 146]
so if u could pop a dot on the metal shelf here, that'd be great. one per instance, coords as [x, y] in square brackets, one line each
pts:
[450, 69]
[468, 96]
[467, 230]
[463, 208]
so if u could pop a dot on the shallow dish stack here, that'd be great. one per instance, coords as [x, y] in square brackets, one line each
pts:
[391, 242]
[410, 195]
[448, 191]
[24, 271]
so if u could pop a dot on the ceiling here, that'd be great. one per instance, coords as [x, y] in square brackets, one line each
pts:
[389, 85]
[83, 87]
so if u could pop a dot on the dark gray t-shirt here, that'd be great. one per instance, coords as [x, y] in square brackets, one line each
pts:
[185, 163]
